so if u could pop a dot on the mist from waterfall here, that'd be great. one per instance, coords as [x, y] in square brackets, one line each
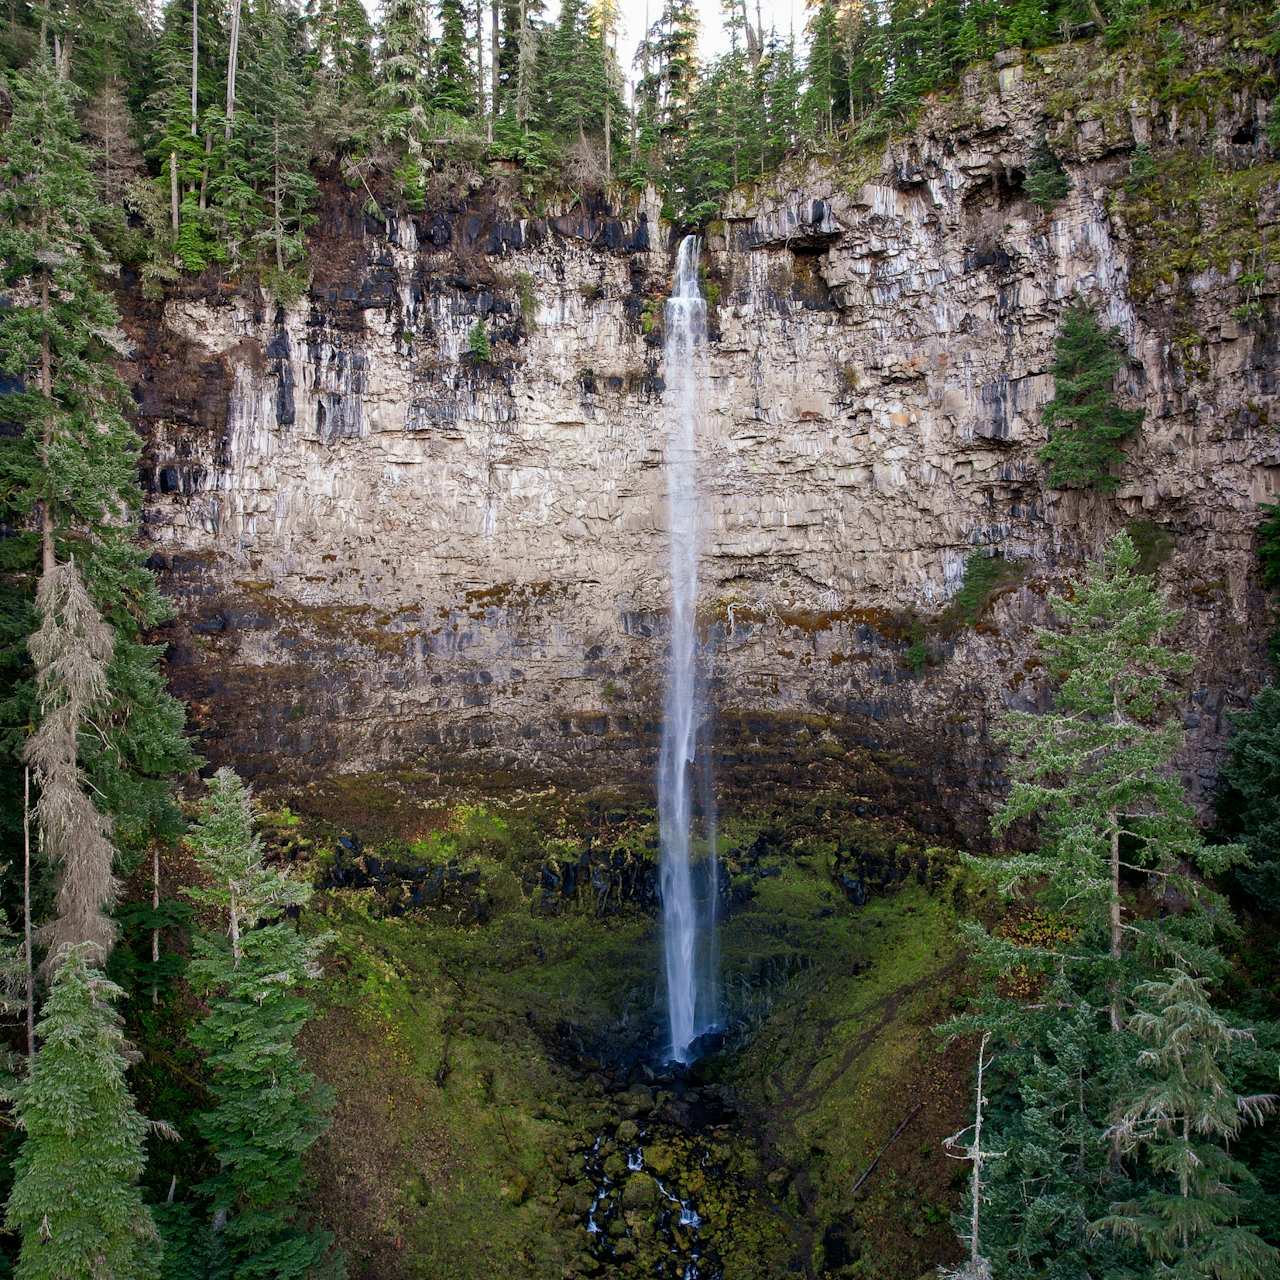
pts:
[689, 886]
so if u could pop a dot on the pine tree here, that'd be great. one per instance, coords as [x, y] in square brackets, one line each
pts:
[71, 650]
[1183, 1118]
[826, 96]
[1096, 772]
[269, 1109]
[340, 70]
[404, 68]
[1251, 803]
[1065, 1067]
[75, 1198]
[453, 80]
[1085, 423]
[108, 124]
[69, 480]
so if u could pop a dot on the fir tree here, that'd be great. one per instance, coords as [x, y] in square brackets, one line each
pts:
[71, 650]
[1085, 422]
[109, 125]
[404, 68]
[75, 1198]
[69, 480]
[269, 1109]
[1251, 803]
[1096, 772]
[1183, 1117]
[1065, 1067]
[453, 82]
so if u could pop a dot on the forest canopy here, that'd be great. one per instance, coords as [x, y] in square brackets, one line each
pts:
[213, 121]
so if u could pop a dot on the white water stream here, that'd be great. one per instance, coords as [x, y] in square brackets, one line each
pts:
[688, 916]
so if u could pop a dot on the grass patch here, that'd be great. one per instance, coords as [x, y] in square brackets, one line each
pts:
[984, 578]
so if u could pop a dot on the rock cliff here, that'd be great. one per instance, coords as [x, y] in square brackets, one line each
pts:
[386, 552]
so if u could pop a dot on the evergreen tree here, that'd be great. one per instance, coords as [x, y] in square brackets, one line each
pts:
[404, 68]
[69, 479]
[71, 650]
[826, 96]
[1183, 1117]
[1086, 424]
[75, 1197]
[109, 125]
[1064, 1067]
[269, 1109]
[1096, 772]
[1251, 805]
[453, 84]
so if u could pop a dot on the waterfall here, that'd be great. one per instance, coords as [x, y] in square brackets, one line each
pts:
[688, 916]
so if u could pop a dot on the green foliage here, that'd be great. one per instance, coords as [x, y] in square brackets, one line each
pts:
[1097, 772]
[1250, 804]
[478, 341]
[1269, 544]
[1096, 776]
[269, 1108]
[1086, 424]
[75, 1198]
[916, 656]
[1182, 1115]
[984, 575]
[1046, 182]
[229, 852]
[76, 453]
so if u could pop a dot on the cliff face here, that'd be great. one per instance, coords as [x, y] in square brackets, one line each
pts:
[385, 552]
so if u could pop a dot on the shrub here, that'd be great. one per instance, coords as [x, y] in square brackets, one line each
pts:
[1086, 424]
[984, 575]
[1046, 182]
[478, 341]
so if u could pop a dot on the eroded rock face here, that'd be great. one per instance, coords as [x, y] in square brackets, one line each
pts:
[397, 553]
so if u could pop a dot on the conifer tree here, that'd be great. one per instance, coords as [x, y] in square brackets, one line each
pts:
[404, 68]
[1085, 423]
[109, 126]
[453, 81]
[1096, 772]
[75, 1198]
[269, 1109]
[1251, 804]
[69, 481]
[1183, 1116]
[71, 650]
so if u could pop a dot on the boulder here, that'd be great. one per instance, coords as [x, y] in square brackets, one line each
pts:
[640, 1192]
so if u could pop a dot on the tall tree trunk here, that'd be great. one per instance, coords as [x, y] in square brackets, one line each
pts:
[1116, 934]
[47, 557]
[173, 191]
[155, 932]
[279, 230]
[195, 64]
[524, 63]
[480, 86]
[233, 53]
[26, 915]
[607, 64]
[204, 174]
[493, 66]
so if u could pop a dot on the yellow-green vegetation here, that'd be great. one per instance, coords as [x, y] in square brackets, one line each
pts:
[479, 1058]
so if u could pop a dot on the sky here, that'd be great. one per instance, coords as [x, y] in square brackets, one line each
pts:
[782, 14]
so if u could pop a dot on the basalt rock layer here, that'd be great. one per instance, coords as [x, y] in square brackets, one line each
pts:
[387, 551]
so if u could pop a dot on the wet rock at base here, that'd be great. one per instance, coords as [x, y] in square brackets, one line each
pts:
[640, 1192]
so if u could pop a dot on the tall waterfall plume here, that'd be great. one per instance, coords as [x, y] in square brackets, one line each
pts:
[689, 889]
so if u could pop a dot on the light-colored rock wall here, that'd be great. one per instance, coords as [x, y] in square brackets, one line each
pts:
[398, 554]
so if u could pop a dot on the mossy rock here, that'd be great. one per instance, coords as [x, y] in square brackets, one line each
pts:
[640, 1192]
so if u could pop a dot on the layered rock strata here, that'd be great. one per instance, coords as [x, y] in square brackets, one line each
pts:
[388, 552]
